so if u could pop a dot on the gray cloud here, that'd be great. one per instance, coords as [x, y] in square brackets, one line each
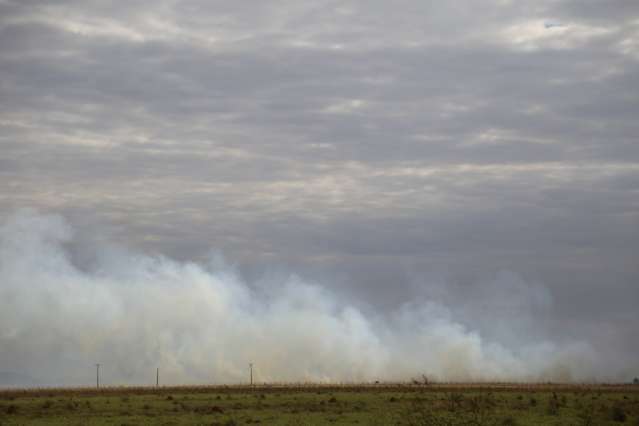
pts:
[376, 149]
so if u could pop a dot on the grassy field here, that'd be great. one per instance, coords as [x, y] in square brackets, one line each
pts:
[497, 404]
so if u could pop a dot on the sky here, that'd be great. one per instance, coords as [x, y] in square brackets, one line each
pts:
[477, 156]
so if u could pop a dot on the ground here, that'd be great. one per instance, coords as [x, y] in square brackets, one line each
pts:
[495, 404]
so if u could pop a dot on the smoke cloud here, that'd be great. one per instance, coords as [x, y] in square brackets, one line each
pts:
[201, 323]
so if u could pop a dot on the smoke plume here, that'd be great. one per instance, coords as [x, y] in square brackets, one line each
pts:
[200, 323]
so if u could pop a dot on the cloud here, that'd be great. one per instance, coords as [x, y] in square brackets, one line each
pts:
[536, 34]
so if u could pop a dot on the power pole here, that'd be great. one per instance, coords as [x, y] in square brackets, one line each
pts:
[157, 377]
[97, 376]
[251, 370]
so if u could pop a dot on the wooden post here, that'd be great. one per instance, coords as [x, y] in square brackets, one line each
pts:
[97, 376]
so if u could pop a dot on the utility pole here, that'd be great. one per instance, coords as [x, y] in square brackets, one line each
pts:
[97, 376]
[157, 377]
[251, 370]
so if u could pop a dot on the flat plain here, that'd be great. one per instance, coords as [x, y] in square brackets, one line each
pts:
[307, 404]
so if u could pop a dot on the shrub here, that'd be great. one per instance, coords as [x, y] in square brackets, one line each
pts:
[586, 416]
[618, 414]
[509, 421]
[455, 401]
[553, 407]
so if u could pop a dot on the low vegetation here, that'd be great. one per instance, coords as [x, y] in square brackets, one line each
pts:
[419, 405]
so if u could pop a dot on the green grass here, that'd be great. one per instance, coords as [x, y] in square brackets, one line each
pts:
[313, 405]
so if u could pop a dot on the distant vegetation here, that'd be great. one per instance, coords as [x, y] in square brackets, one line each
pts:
[377, 404]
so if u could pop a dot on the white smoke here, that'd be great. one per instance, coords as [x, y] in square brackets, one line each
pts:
[202, 324]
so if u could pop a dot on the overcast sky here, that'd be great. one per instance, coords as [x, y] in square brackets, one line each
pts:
[386, 150]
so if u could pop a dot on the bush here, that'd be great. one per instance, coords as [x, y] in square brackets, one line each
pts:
[553, 407]
[455, 401]
[618, 414]
[509, 421]
[586, 416]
